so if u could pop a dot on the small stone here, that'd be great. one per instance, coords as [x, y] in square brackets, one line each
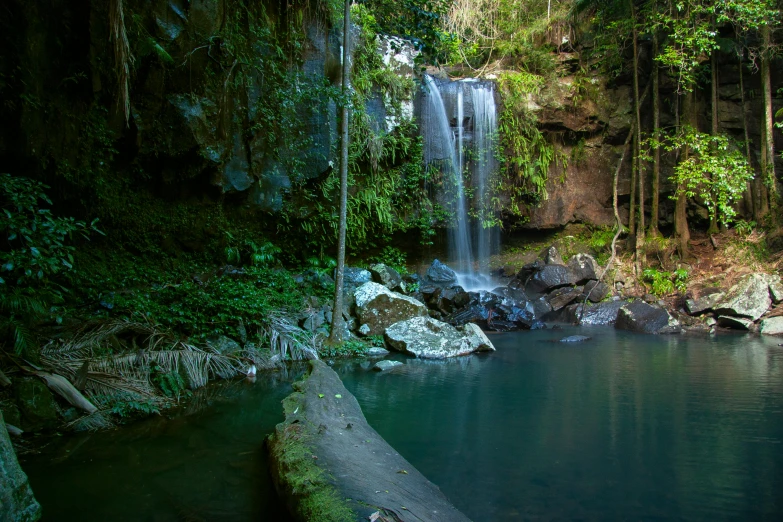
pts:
[364, 329]
[376, 351]
[385, 365]
[575, 339]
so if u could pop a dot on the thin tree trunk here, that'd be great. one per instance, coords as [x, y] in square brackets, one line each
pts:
[638, 145]
[656, 174]
[748, 197]
[338, 323]
[713, 228]
[768, 166]
[681, 206]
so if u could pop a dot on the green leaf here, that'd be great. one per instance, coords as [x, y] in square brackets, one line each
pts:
[338, 396]
[320, 395]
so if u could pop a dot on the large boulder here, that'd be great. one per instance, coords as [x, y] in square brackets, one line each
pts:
[772, 326]
[585, 267]
[17, 503]
[563, 297]
[644, 318]
[596, 291]
[600, 314]
[441, 274]
[551, 277]
[354, 277]
[432, 339]
[386, 275]
[327, 463]
[378, 307]
[750, 297]
[735, 323]
[451, 299]
[704, 303]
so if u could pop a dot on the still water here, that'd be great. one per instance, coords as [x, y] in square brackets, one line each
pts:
[623, 427]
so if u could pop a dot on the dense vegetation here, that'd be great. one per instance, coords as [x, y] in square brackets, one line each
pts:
[176, 175]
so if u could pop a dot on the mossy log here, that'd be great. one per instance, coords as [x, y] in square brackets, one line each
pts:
[330, 465]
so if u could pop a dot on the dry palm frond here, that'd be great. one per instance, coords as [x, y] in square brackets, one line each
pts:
[288, 339]
[93, 422]
[122, 55]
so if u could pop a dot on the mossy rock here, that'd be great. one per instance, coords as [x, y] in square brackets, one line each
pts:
[37, 408]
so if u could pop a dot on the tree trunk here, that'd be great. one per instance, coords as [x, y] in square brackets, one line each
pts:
[768, 166]
[681, 206]
[713, 228]
[656, 174]
[638, 147]
[338, 323]
[748, 197]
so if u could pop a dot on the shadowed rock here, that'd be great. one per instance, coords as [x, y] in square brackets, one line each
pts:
[386, 275]
[644, 318]
[17, 503]
[551, 277]
[596, 291]
[736, 323]
[585, 267]
[703, 304]
[327, 463]
[439, 273]
[600, 314]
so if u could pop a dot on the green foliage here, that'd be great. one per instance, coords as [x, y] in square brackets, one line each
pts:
[664, 283]
[744, 228]
[393, 257]
[524, 151]
[715, 170]
[127, 406]
[352, 348]
[250, 252]
[170, 383]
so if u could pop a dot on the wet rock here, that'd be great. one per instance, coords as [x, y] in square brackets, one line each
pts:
[440, 273]
[600, 314]
[470, 314]
[551, 277]
[376, 351]
[736, 323]
[36, 404]
[452, 298]
[17, 503]
[431, 339]
[223, 345]
[596, 291]
[563, 297]
[324, 420]
[378, 307]
[704, 303]
[575, 339]
[355, 277]
[520, 317]
[748, 298]
[644, 318]
[385, 365]
[585, 267]
[386, 275]
[772, 326]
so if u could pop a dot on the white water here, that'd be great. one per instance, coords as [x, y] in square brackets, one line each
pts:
[470, 242]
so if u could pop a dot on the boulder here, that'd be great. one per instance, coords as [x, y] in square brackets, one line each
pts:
[385, 365]
[377, 351]
[440, 274]
[585, 267]
[354, 277]
[596, 291]
[451, 299]
[432, 339]
[36, 405]
[748, 298]
[600, 314]
[17, 502]
[645, 318]
[378, 307]
[386, 275]
[772, 326]
[776, 291]
[551, 277]
[563, 297]
[736, 323]
[552, 256]
[575, 339]
[327, 463]
[224, 345]
[704, 303]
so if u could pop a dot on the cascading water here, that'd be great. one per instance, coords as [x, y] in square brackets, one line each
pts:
[471, 105]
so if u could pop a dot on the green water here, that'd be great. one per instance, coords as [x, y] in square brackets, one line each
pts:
[624, 427]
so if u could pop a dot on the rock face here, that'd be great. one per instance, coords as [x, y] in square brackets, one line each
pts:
[327, 463]
[432, 339]
[644, 318]
[703, 304]
[17, 503]
[750, 297]
[378, 307]
[772, 326]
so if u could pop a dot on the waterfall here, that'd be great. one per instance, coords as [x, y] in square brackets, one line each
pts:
[470, 105]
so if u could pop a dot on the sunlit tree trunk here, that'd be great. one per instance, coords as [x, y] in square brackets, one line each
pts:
[338, 323]
[681, 230]
[713, 228]
[768, 157]
[637, 146]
